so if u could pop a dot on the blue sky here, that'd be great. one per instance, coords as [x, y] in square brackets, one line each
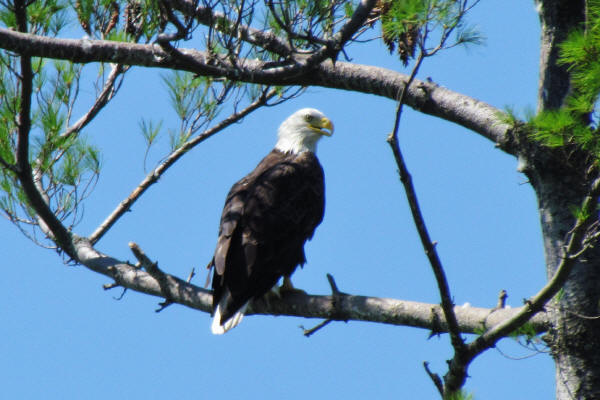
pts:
[65, 337]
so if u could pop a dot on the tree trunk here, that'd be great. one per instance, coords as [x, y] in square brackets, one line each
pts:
[573, 339]
[558, 19]
[559, 180]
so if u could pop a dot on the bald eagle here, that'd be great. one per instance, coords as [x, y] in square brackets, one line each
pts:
[268, 216]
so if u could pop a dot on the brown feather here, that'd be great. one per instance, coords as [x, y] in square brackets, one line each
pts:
[267, 218]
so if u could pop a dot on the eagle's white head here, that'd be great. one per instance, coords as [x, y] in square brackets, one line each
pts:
[302, 130]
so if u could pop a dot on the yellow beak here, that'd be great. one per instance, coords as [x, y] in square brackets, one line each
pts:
[324, 123]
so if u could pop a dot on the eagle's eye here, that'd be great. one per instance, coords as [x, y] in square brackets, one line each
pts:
[309, 118]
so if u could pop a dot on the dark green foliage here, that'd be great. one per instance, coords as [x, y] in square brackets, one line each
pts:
[195, 101]
[576, 123]
[526, 330]
[305, 20]
[459, 395]
[45, 16]
[64, 166]
[406, 24]
[119, 20]
[401, 22]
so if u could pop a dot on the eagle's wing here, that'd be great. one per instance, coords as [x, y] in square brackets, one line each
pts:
[267, 217]
[232, 212]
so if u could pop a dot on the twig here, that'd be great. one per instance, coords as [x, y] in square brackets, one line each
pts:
[154, 175]
[437, 381]
[163, 305]
[588, 317]
[182, 31]
[502, 299]
[113, 285]
[533, 354]
[120, 297]
[457, 371]
[143, 259]
[310, 332]
[191, 275]
[332, 284]
[156, 273]
[339, 40]
[336, 299]
[107, 93]
[108, 286]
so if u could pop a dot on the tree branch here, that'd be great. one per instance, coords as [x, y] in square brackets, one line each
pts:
[426, 97]
[352, 308]
[576, 246]
[206, 16]
[107, 93]
[56, 229]
[154, 175]
[458, 343]
[573, 250]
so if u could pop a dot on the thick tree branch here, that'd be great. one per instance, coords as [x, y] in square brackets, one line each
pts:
[423, 96]
[55, 229]
[352, 308]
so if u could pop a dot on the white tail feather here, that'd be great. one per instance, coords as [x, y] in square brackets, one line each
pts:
[217, 328]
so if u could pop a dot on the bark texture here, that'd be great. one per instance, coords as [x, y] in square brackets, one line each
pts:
[423, 96]
[559, 177]
[343, 307]
[560, 181]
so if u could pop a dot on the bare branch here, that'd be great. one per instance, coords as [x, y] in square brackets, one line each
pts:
[313, 330]
[576, 245]
[164, 280]
[561, 274]
[108, 286]
[351, 308]
[191, 275]
[502, 299]
[437, 381]
[154, 175]
[426, 97]
[457, 371]
[428, 245]
[206, 16]
[107, 93]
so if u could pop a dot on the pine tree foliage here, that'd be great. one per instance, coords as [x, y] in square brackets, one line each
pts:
[66, 165]
[406, 23]
[576, 123]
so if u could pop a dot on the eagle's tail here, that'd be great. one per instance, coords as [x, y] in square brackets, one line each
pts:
[217, 328]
